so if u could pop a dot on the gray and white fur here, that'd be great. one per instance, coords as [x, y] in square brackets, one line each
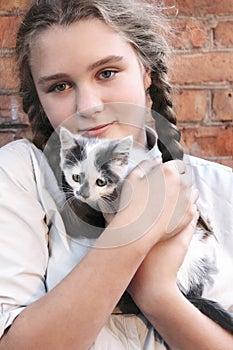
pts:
[95, 169]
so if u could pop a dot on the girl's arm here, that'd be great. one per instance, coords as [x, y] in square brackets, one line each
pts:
[71, 315]
[155, 291]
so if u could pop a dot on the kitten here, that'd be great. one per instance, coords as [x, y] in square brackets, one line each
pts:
[95, 169]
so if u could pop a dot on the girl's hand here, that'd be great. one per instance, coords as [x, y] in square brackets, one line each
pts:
[157, 274]
[157, 295]
[157, 201]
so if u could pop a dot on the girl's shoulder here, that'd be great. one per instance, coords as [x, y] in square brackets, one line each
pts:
[210, 173]
[18, 160]
[16, 151]
[203, 165]
[213, 180]
[215, 184]
[25, 166]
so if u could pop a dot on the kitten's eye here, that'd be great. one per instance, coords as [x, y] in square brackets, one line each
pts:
[101, 183]
[76, 177]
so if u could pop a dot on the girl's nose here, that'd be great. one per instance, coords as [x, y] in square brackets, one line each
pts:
[89, 102]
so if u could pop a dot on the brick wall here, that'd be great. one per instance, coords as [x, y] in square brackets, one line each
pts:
[202, 75]
[13, 123]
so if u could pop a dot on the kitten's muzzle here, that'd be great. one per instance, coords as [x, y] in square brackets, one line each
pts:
[83, 192]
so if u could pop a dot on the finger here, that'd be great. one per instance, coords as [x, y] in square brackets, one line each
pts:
[181, 166]
[195, 219]
[184, 210]
[192, 215]
[178, 165]
[146, 166]
[190, 228]
[195, 195]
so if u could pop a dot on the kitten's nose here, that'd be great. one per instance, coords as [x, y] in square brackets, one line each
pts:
[84, 191]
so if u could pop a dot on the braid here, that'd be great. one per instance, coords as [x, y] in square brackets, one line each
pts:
[163, 113]
[41, 127]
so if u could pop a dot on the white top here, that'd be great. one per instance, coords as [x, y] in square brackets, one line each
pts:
[36, 253]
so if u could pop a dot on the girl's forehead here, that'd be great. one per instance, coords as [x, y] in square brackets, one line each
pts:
[81, 31]
[82, 42]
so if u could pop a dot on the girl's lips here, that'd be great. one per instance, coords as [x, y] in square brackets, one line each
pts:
[98, 130]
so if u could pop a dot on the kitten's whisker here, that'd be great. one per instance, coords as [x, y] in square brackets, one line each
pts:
[68, 192]
[67, 201]
[65, 188]
[109, 205]
[110, 197]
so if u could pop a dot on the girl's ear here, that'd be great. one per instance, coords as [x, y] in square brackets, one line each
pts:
[147, 78]
[147, 84]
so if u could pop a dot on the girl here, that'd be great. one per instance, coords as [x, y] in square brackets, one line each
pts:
[94, 66]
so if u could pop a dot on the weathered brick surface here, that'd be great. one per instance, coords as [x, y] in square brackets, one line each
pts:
[202, 7]
[14, 5]
[224, 34]
[190, 105]
[8, 29]
[11, 110]
[223, 106]
[8, 76]
[190, 33]
[227, 162]
[201, 72]
[23, 133]
[206, 67]
[203, 75]
[6, 137]
[14, 134]
[208, 142]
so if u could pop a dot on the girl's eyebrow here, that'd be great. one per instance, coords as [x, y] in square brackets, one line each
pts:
[107, 60]
[49, 78]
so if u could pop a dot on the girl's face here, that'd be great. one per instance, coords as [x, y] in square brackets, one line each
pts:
[89, 72]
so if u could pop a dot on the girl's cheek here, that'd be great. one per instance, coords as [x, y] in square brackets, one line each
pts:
[58, 118]
[59, 111]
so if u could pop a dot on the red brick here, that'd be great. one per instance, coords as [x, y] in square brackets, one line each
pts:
[202, 7]
[228, 162]
[11, 5]
[9, 136]
[212, 141]
[8, 75]
[223, 34]
[190, 105]
[201, 68]
[8, 30]
[6, 101]
[6, 137]
[189, 33]
[23, 133]
[223, 105]
[11, 110]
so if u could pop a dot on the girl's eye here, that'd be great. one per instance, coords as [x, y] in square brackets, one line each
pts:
[76, 177]
[107, 74]
[101, 182]
[61, 87]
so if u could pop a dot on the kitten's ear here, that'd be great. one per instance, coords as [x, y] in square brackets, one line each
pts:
[121, 151]
[66, 138]
[124, 145]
